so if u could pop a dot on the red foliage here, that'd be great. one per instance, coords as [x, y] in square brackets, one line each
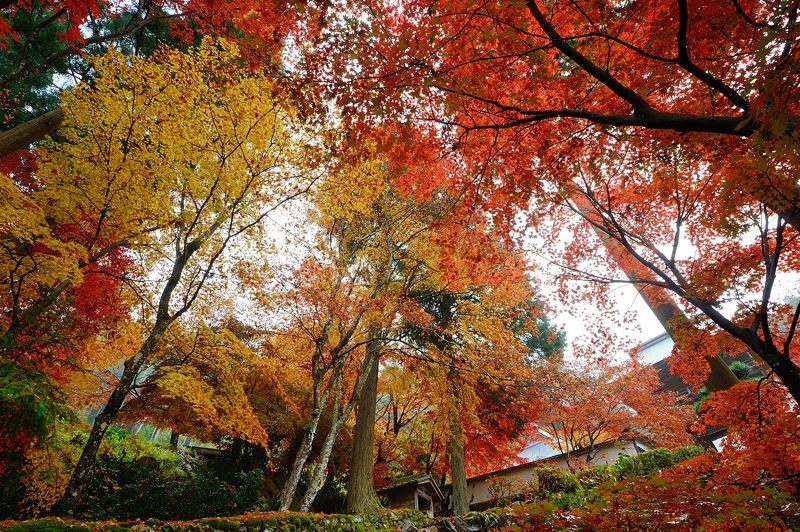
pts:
[20, 166]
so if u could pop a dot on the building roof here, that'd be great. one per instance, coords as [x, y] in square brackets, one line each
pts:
[416, 480]
[406, 480]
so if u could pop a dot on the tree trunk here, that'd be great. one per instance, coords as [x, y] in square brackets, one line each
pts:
[720, 377]
[24, 135]
[321, 467]
[361, 496]
[290, 488]
[173, 439]
[786, 370]
[126, 381]
[105, 418]
[369, 367]
[458, 468]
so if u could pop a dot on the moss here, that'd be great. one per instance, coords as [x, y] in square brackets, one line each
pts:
[48, 525]
[406, 520]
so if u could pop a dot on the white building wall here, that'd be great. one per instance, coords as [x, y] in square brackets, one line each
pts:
[478, 488]
[656, 349]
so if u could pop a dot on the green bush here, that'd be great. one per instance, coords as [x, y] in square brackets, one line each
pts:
[132, 479]
[591, 477]
[566, 491]
[554, 480]
[30, 407]
[649, 462]
[740, 369]
[276, 521]
[119, 488]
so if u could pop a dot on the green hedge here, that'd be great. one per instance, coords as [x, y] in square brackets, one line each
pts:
[650, 462]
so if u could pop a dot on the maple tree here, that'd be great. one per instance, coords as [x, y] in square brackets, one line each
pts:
[741, 262]
[587, 404]
[178, 183]
[337, 298]
[750, 483]
[469, 343]
[408, 438]
[61, 290]
[346, 299]
[523, 90]
[198, 385]
[354, 299]
[44, 41]
[506, 80]
[659, 135]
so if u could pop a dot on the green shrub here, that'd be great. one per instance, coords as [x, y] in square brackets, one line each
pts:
[649, 462]
[408, 520]
[30, 407]
[48, 525]
[554, 480]
[132, 479]
[740, 369]
[591, 477]
[119, 488]
[684, 453]
[566, 491]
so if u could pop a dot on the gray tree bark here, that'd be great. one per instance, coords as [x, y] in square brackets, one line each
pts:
[290, 488]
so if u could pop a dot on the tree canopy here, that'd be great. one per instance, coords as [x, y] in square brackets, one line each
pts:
[344, 243]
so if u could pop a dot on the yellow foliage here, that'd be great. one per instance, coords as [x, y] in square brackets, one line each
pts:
[46, 474]
[155, 142]
[29, 250]
[198, 387]
[352, 191]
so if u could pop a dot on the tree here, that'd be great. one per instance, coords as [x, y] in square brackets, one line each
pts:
[522, 91]
[738, 262]
[475, 345]
[587, 404]
[60, 288]
[180, 180]
[41, 42]
[198, 387]
[505, 80]
[408, 438]
[341, 300]
[344, 297]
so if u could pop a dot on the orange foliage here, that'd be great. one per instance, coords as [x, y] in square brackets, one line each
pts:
[590, 403]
